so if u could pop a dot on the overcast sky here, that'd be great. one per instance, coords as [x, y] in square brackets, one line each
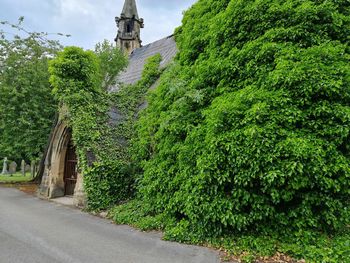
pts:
[91, 21]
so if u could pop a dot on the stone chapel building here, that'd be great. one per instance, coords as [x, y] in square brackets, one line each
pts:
[59, 173]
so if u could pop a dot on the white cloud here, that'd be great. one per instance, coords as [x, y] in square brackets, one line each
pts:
[76, 7]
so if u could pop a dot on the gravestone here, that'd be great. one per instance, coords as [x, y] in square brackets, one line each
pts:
[13, 168]
[23, 168]
[27, 168]
[4, 167]
[32, 169]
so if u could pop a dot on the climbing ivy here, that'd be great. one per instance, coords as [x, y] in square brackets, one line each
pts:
[76, 85]
[79, 84]
[79, 80]
[111, 178]
[102, 144]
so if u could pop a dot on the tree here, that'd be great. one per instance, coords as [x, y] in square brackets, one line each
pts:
[112, 61]
[27, 107]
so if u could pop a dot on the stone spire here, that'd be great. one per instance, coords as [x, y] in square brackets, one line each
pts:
[129, 26]
[130, 9]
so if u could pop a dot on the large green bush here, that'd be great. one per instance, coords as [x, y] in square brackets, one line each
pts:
[249, 129]
[108, 182]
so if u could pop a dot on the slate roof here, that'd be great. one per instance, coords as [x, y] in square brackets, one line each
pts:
[166, 47]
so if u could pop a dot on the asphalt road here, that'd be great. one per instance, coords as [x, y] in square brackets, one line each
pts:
[37, 231]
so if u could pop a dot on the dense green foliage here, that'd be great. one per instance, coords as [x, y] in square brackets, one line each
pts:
[111, 62]
[76, 85]
[107, 182]
[249, 129]
[27, 107]
[112, 177]
[79, 79]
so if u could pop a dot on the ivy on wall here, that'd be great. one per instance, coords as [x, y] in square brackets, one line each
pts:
[79, 83]
[111, 179]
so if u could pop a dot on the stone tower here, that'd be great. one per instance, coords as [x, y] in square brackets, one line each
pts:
[129, 27]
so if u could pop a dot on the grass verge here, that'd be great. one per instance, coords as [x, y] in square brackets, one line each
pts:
[15, 178]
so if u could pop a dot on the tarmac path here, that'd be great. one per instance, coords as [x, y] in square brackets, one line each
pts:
[38, 231]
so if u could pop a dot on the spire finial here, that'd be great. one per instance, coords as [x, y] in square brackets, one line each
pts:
[130, 9]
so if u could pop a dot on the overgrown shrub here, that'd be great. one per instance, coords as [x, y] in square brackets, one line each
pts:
[249, 129]
[108, 182]
[80, 85]
[77, 86]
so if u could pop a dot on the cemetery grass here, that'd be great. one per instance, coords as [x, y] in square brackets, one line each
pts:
[15, 178]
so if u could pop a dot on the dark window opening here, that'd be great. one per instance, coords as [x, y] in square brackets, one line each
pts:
[128, 28]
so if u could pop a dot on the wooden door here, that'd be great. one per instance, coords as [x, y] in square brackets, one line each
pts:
[70, 173]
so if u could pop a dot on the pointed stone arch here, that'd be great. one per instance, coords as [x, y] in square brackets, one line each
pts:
[53, 178]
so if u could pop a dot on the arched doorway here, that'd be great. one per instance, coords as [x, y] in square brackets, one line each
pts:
[60, 175]
[70, 170]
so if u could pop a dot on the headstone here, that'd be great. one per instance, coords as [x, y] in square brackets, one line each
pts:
[13, 168]
[23, 168]
[27, 168]
[4, 167]
[32, 169]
